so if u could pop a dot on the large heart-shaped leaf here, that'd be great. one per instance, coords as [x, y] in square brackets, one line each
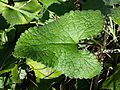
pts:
[21, 13]
[56, 44]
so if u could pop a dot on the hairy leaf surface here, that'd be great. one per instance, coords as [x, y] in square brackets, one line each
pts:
[56, 44]
[21, 13]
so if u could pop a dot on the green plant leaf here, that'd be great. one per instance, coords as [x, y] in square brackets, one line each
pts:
[1, 83]
[113, 82]
[56, 44]
[15, 74]
[111, 2]
[41, 71]
[4, 38]
[21, 13]
[115, 14]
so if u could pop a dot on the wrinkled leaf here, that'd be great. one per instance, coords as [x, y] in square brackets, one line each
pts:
[115, 14]
[56, 44]
[21, 13]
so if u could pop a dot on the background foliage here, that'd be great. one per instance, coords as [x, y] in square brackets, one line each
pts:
[59, 44]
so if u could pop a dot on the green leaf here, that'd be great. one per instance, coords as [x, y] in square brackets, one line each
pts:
[4, 38]
[111, 2]
[1, 83]
[47, 3]
[56, 44]
[15, 74]
[113, 82]
[21, 13]
[115, 14]
[41, 71]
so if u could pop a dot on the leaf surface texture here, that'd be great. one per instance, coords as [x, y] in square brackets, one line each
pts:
[56, 44]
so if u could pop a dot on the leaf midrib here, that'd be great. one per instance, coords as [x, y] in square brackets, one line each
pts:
[49, 43]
